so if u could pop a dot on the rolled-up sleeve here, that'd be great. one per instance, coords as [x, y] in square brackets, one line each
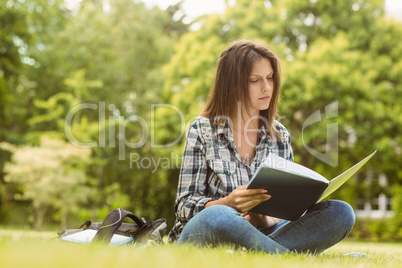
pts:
[191, 191]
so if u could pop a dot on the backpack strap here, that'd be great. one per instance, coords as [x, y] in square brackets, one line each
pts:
[85, 225]
[154, 230]
[112, 222]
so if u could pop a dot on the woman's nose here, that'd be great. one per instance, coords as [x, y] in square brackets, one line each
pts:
[267, 85]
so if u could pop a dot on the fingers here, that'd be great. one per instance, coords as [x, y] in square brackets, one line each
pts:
[247, 192]
[244, 204]
[243, 199]
[247, 205]
[247, 216]
[256, 198]
[253, 218]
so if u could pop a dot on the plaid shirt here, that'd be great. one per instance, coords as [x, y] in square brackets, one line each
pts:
[212, 168]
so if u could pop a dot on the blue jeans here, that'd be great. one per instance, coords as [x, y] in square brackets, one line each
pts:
[322, 226]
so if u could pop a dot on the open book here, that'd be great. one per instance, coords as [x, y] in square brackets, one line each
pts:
[293, 187]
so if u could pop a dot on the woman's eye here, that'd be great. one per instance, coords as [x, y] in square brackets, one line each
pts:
[269, 78]
[253, 81]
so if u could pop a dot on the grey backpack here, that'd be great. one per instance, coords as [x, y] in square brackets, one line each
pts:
[114, 231]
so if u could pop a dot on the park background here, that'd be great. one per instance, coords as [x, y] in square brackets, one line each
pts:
[140, 68]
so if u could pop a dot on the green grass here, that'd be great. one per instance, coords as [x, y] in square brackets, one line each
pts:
[33, 249]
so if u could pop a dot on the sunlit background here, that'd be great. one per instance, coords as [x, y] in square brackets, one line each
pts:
[195, 8]
[96, 97]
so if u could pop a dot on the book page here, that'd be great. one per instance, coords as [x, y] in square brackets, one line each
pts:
[279, 163]
[341, 179]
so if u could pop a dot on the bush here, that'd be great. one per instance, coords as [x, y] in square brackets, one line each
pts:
[376, 230]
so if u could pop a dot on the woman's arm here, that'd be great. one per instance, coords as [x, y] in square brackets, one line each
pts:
[191, 195]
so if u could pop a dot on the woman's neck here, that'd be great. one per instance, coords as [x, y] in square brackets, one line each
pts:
[245, 134]
[244, 123]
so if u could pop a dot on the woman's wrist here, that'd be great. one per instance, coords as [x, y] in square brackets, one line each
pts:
[221, 201]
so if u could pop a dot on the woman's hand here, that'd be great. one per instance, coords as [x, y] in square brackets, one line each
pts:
[243, 199]
[261, 220]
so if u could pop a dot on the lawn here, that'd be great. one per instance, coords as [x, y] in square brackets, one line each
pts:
[33, 249]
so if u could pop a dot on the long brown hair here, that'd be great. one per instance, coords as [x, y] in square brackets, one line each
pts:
[231, 84]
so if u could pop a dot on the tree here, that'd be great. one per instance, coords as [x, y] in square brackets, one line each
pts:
[51, 176]
[24, 24]
[110, 58]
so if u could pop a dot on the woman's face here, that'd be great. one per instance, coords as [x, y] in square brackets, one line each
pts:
[261, 86]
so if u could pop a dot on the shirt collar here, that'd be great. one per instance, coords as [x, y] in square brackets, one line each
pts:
[223, 129]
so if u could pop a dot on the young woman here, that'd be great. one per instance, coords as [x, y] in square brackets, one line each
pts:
[223, 149]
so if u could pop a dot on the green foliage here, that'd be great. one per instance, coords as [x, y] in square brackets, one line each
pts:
[108, 59]
[139, 63]
[51, 176]
[14, 36]
[396, 222]
[377, 230]
[25, 25]
[53, 112]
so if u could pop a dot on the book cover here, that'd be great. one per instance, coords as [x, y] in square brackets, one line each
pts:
[293, 187]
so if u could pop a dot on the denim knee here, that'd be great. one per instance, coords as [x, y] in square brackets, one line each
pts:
[343, 214]
[218, 217]
[210, 225]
